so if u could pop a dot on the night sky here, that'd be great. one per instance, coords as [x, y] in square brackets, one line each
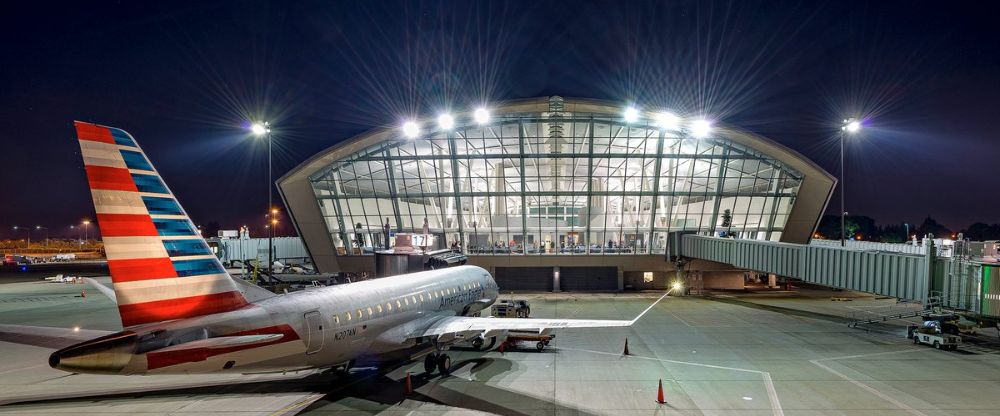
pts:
[183, 78]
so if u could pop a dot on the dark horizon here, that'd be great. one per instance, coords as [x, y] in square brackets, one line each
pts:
[185, 79]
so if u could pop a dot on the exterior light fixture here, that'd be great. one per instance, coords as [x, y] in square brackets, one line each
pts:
[701, 128]
[260, 129]
[631, 114]
[446, 121]
[667, 120]
[411, 129]
[851, 125]
[481, 115]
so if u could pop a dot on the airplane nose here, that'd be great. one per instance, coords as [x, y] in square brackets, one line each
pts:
[105, 355]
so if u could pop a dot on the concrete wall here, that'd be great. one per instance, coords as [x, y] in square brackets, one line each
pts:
[732, 280]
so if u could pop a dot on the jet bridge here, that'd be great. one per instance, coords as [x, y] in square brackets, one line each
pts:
[897, 274]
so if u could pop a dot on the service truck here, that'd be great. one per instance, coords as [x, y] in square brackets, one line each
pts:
[930, 333]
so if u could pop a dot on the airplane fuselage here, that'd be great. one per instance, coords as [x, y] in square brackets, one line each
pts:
[317, 328]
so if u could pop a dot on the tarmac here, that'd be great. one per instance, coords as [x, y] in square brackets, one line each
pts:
[774, 353]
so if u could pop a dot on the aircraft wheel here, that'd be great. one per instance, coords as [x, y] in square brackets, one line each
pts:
[430, 362]
[444, 364]
[493, 342]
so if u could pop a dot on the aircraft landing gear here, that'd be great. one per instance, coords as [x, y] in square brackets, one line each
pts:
[442, 362]
[430, 362]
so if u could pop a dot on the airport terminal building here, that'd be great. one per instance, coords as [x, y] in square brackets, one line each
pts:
[554, 194]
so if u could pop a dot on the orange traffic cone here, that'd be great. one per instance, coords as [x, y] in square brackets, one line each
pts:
[626, 347]
[409, 385]
[659, 393]
[83, 293]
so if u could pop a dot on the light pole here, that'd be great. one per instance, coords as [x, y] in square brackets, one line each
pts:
[264, 130]
[850, 126]
[86, 230]
[39, 227]
[28, 232]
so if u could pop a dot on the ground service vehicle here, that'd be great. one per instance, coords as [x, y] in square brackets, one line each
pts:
[930, 333]
[506, 308]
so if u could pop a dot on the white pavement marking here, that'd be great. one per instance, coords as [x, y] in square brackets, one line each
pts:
[294, 408]
[772, 394]
[866, 387]
[19, 369]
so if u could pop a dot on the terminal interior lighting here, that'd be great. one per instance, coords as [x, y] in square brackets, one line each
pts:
[667, 120]
[446, 121]
[481, 115]
[411, 129]
[701, 128]
[631, 114]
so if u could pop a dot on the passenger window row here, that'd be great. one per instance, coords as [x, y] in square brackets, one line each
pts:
[401, 302]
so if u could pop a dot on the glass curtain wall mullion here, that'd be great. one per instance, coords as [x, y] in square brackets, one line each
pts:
[774, 205]
[736, 199]
[689, 178]
[720, 183]
[455, 179]
[657, 165]
[332, 183]
[378, 208]
[623, 168]
[539, 189]
[751, 197]
[358, 231]
[524, 188]
[394, 197]
[590, 186]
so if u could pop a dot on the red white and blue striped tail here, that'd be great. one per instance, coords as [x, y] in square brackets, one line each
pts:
[161, 267]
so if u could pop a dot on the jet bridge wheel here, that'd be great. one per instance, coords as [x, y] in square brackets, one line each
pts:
[430, 362]
[444, 364]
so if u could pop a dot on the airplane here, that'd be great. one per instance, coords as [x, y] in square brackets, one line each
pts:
[182, 313]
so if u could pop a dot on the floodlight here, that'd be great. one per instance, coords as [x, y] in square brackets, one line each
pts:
[851, 125]
[258, 129]
[481, 115]
[631, 114]
[701, 128]
[678, 286]
[446, 121]
[667, 120]
[411, 129]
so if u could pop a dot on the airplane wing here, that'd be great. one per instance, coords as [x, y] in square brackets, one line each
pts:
[453, 327]
[46, 336]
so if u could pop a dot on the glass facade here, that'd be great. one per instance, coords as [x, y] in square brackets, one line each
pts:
[553, 184]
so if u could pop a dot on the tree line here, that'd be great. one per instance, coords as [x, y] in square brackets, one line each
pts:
[862, 227]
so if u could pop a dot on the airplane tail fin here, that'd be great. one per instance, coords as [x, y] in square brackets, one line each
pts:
[161, 267]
